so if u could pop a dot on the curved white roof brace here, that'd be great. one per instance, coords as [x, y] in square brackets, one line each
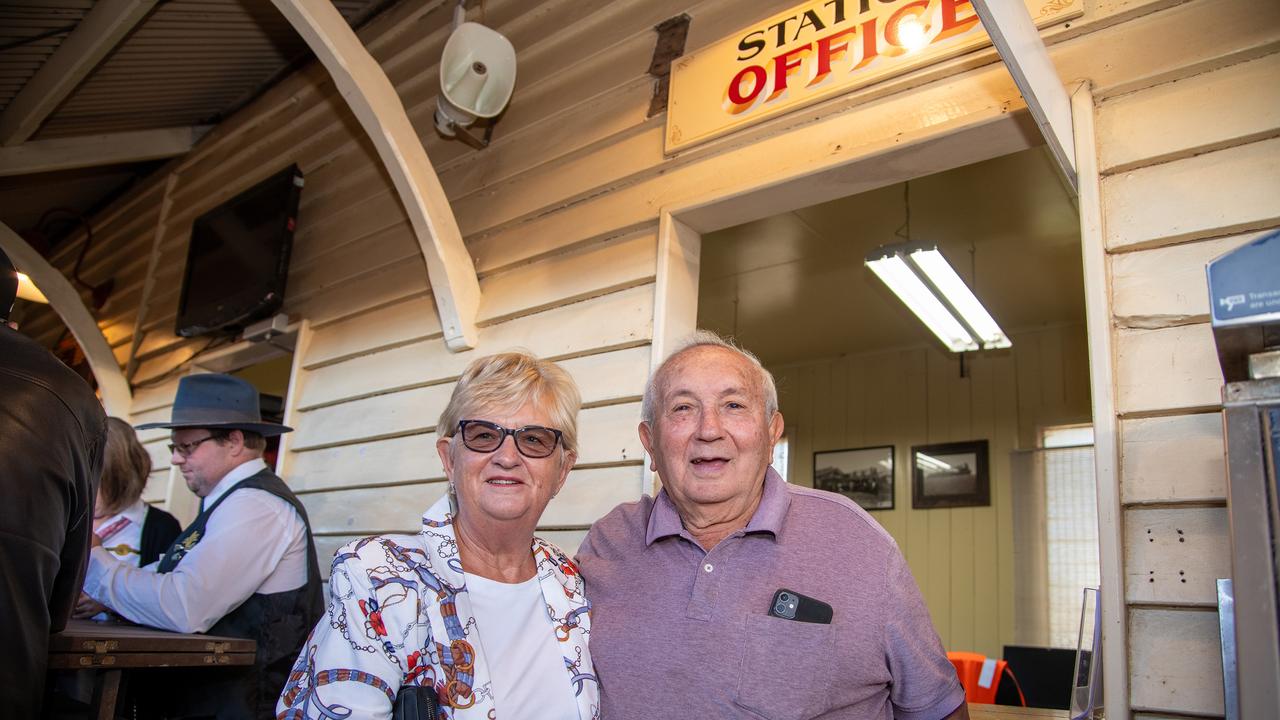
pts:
[63, 298]
[376, 105]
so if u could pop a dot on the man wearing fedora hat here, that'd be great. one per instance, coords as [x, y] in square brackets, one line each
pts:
[245, 567]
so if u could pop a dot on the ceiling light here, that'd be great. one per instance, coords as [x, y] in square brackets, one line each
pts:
[27, 290]
[923, 279]
[912, 33]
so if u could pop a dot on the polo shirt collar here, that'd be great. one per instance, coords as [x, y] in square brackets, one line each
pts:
[664, 521]
[773, 505]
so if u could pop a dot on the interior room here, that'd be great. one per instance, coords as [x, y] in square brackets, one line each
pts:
[862, 383]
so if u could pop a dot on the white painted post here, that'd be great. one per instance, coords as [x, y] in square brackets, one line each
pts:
[1106, 430]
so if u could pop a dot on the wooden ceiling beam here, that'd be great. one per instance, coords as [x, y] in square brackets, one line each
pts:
[100, 30]
[375, 103]
[96, 150]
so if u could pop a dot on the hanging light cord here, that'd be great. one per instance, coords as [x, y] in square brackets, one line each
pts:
[906, 211]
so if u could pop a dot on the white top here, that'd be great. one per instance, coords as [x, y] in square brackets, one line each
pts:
[526, 667]
[122, 533]
[254, 543]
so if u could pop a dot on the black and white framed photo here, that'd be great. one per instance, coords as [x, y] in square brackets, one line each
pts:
[864, 475]
[950, 475]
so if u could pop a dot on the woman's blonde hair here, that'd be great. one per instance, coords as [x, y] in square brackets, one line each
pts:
[125, 467]
[508, 381]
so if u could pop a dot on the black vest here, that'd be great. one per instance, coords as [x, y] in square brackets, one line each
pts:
[278, 622]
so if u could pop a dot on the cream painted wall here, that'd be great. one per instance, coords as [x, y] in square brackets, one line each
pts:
[1200, 180]
[962, 558]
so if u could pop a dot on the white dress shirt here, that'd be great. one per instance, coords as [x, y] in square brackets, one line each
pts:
[253, 543]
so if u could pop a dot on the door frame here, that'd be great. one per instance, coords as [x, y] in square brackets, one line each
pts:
[954, 144]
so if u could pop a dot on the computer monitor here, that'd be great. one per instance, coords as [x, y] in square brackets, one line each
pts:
[1086, 691]
[1043, 673]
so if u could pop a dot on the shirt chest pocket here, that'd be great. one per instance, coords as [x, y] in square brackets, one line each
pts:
[786, 668]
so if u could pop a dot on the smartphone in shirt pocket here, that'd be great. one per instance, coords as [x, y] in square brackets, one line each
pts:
[786, 661]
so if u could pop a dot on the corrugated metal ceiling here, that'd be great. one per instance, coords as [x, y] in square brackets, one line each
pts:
[187, 63]
[29, 33]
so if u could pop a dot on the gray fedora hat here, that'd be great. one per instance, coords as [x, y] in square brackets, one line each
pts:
[212, 400]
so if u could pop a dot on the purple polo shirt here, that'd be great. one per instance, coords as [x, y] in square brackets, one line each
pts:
[677, 629]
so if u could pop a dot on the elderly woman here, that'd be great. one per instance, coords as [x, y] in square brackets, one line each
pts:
[474, 605]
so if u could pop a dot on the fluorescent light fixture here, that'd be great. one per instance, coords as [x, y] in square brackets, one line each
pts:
[27, 290]
[923, 280]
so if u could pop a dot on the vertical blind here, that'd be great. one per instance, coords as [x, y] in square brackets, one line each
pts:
[1071, 506]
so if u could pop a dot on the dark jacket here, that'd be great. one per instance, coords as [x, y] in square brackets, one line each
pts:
[52, 433]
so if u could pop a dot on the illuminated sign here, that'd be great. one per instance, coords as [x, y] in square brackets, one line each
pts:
[819, 50]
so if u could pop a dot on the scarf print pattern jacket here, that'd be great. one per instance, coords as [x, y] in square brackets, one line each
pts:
[399, 614]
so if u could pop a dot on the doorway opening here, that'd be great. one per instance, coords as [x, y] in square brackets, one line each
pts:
[271, 377]
[862, 380]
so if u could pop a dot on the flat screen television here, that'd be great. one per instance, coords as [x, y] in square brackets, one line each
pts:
[238, 260]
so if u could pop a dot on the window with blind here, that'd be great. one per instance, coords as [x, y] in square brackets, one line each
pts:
[1055, 535]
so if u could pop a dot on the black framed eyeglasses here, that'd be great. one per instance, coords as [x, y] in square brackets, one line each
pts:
[532, 441]
[187, 449]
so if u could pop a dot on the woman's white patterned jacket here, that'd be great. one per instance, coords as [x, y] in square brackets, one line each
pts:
[399, 614]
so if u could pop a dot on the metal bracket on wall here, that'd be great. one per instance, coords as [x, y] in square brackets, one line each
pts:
[672, 34]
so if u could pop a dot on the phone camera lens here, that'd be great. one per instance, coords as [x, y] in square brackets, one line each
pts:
[780, 608]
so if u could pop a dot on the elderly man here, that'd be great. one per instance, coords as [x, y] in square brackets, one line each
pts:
[734, 595]
[245, 567]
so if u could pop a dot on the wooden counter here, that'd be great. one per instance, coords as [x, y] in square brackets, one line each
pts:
[108, 648]
[1006, 712]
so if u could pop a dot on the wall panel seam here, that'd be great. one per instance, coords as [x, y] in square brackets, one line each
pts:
[1190, 152]
[1215, 234]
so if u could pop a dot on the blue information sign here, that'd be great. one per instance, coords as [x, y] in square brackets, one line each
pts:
[1244, 284]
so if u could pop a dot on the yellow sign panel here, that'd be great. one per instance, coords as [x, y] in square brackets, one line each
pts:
[818, 50]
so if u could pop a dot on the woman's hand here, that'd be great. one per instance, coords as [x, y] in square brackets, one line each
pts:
[87, 607]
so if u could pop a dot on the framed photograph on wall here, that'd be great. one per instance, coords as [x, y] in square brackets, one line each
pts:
[864, 475]
[950, 475]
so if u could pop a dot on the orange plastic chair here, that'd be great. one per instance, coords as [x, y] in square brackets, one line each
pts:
[981, 676]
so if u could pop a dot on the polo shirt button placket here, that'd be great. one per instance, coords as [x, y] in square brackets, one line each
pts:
[702, 601]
